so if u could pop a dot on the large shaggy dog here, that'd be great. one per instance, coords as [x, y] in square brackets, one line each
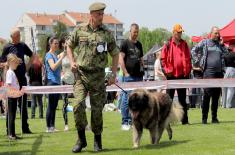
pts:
[153, 111]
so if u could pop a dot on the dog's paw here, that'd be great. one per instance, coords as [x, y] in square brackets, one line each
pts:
[135, 146]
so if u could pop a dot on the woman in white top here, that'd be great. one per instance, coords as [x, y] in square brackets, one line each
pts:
[158, 74]
[67, 78]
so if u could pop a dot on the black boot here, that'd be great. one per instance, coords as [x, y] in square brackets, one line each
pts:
[214, 117]
[97, 143]
[204, 118]
[81, 142]
[185, 117]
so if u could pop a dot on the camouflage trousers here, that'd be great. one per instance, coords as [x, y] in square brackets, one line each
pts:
[92, 82]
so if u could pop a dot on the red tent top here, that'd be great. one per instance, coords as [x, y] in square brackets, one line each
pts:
[197, 39]
[227, 33]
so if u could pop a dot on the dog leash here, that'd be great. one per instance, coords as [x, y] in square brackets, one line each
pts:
[120, 88]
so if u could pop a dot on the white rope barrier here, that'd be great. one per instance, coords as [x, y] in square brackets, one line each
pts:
[166, 84]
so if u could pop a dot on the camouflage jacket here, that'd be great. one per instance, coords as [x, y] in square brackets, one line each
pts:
[200, 51]
[92, 46]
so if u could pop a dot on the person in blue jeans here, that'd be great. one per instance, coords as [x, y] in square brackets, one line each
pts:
[120, 80]
[53, 69]
[131, 62]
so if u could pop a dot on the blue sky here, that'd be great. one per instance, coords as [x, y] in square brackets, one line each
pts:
[196, 16]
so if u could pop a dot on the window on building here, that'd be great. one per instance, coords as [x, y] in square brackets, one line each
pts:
[43, 27]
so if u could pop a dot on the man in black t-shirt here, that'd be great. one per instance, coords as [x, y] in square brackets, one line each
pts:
[20, 49]
[131, 62]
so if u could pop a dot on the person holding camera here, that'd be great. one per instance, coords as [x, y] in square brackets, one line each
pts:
[131, 62]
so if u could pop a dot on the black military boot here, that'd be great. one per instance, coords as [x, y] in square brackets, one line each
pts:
[81, 142]
[97, 143]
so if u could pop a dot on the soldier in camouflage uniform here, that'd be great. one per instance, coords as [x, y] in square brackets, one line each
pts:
[93, 41]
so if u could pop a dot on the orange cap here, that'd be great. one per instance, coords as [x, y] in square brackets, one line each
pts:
[178, 28]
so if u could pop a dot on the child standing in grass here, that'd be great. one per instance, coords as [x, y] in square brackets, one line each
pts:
[11, 80]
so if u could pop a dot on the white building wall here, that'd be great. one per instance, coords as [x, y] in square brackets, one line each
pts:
[26, 24]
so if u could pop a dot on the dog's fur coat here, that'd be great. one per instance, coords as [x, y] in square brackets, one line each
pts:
[153, 111]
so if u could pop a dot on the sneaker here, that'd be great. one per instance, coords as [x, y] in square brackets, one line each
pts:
[53, 129]
[13, 137]
[126, 127]
[66, 128]
[48, 130]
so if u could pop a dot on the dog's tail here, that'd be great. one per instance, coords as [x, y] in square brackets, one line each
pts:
[176, 113]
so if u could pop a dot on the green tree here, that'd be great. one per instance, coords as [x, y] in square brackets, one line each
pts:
[149, 38]
[158, 36]
[42, 44]
[188, 40]
[60, 30]
[2, 46]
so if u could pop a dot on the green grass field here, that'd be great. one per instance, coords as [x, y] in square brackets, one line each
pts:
[193, 139]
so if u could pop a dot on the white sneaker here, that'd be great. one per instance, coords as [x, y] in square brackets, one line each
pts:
[48, 130]
[54, 129]
[66, 128]
[126, 127]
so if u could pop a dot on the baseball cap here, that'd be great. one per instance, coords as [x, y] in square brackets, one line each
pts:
[178, 28]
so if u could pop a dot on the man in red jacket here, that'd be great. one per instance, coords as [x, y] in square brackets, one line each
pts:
[176, 64]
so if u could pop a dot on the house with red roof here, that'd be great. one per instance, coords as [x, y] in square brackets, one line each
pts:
[32, 25]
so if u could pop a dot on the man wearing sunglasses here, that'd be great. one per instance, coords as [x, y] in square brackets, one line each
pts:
[176, 64]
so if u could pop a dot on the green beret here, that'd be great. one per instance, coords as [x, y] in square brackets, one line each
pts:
[97, 6]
